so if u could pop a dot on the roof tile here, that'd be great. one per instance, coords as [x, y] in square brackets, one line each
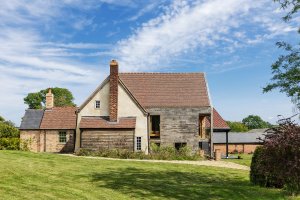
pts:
[219, 122]
[59, 118]
[103, 122]
[32, 119]
[167, 89]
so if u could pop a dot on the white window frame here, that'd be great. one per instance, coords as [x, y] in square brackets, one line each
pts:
[96, 101]
[138, 147]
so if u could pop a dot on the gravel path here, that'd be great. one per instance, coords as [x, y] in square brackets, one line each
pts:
[201, 162]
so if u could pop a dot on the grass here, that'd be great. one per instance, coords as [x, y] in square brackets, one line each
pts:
[25, 175]
[245, 159]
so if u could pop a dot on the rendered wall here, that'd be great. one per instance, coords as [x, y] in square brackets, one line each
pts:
[126, 108]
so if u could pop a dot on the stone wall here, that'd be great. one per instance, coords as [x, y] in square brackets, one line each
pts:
[179, 125]
[47, 140]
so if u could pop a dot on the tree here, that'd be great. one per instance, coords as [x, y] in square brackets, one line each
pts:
[237, 127]
[286, 70]
[277, 162]
[10, 123]
[294, 6]
[8, 131]
[34, 100]
[255, 122]
[62, 97]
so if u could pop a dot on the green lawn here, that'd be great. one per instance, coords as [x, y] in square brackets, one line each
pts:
[245, 159]
[25, 175]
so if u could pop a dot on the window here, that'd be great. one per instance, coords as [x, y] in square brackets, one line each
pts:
[202, 126]
[97, 104]
[155, 126]
[62, 137]
[179, 145]
[138, 143]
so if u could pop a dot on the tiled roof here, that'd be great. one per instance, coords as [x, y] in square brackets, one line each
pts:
[32, 119]
[238, 137]
[103, 122]
[167, 89]
[219, 122]
[59, 118]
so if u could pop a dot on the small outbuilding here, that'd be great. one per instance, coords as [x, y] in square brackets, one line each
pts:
[238, 142]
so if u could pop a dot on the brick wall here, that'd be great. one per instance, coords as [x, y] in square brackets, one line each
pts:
[179, 125]
[113, 95]
[48, 140]
[240, 148]
[31, 137]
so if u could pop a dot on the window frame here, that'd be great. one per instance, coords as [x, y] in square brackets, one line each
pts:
[60, 137]
[96, 101]
[138, 144]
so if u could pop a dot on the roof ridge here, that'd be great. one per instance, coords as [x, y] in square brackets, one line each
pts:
[161, 72]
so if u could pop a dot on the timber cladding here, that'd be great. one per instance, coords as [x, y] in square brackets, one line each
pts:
[95, 139]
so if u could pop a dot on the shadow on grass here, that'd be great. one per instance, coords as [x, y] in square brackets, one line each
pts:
[145, 184]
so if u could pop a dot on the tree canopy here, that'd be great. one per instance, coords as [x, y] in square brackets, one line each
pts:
[62, 97]
[8, 131]
[286, 70]
[3, 121]
[255, 122]
[237, 126]
[293, 5]
[248, 123]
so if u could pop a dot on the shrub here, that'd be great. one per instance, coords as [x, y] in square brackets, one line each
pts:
[8, 131]
[157, 153]
[9, 137]
[277, 162]
[9, 143]
[25, 144]
[260, 174]
[170, 153]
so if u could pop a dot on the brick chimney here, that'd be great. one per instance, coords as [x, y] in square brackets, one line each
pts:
[113, 95]
[49, 99]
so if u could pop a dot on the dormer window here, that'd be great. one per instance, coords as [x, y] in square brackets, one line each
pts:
[97, 104]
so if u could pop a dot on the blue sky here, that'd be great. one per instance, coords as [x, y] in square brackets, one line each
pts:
[69, 44]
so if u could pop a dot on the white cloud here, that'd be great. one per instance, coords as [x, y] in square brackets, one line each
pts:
[30, 61]
[185, 28]
[148, 8]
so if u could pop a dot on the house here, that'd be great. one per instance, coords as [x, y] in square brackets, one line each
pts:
[129, 111]
[245, 142]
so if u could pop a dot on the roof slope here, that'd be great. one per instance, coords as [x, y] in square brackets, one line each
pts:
[32, 119]
[238, 137]
[167, 89]
[219, 122]
[103, 122]
[59, 118]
